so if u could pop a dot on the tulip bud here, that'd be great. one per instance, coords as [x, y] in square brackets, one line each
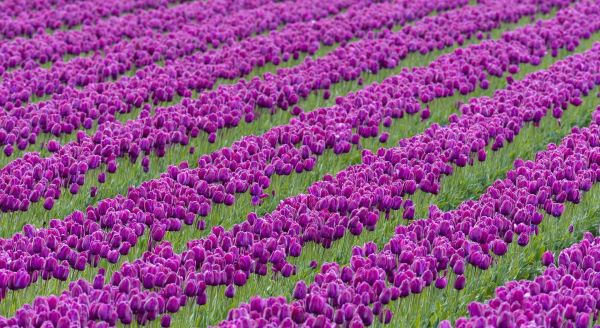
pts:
[173, 304]
[165, 321]
[441, 282]
[547, 258]
[230, 291]
[301, 290]
[239, 278]
[459, 267]
[460, 282]
[158, 232]
[500, 248]
[523, 239]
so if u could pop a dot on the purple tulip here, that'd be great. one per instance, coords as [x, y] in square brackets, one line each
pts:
[165, 321]
[459, 283]
[173, 304]
[547, 258]
[158, 232]
[300, 290]
[523, 239]
[459, 267]
[230, 291]
[49, 203]
[441, 282]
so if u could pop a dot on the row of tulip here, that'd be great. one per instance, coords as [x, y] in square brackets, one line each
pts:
[60, 117]
[159, 84]
[119, 45]
[111, 141]
[565, 295]
[15, 7]
[552, 79]
[16, 20]
[54, 48]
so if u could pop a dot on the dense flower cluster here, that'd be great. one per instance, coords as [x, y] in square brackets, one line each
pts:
[133, 41]
[26, 18]
[162, 281]
[43, 178]
[565, 295]
[72, 108]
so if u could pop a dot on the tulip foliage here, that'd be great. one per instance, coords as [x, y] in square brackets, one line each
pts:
[300, 213]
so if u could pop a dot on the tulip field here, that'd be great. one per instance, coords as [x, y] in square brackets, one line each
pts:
[300, 163]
